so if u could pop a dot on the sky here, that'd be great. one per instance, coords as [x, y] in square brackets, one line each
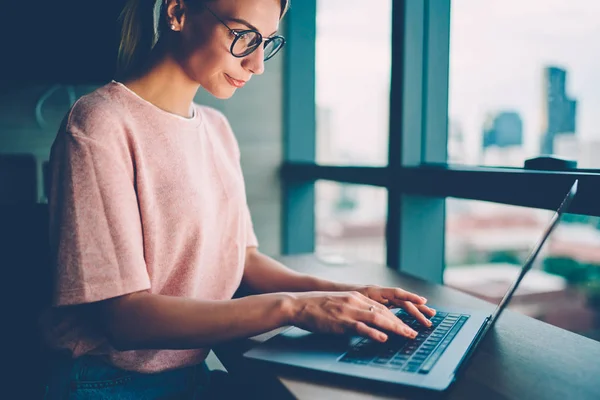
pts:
[498, 49]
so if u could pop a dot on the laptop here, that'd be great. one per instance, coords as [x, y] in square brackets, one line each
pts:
[430, 361]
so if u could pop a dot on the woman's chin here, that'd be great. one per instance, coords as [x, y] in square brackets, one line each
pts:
[222, 92]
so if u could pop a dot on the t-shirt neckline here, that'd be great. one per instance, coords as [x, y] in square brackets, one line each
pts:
[194, 119]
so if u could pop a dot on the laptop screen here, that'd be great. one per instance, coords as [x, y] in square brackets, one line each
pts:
[534, 253]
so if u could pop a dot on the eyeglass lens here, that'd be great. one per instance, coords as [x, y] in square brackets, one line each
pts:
[246, 42]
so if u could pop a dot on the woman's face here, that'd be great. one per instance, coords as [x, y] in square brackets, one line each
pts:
[204, 43]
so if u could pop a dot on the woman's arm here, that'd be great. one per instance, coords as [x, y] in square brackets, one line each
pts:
[148, 321]
[263, 274]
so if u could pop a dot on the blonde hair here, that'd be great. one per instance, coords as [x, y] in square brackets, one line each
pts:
[141, 25]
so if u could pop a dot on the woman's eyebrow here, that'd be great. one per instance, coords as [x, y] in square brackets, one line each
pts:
[244, 22]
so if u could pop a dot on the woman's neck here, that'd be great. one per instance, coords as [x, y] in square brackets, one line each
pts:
[166, 86]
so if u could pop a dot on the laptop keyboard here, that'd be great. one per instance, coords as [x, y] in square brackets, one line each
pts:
[417, 355]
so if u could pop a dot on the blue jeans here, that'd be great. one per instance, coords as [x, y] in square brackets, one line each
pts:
[89, 377]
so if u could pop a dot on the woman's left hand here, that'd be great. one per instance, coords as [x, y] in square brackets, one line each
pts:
[412, 303]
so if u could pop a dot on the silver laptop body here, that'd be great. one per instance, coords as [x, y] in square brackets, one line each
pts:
[431, 361]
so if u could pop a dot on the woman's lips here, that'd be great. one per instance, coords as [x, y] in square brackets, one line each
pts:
[235, 82]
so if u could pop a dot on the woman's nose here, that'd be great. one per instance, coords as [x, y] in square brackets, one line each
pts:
[255, 61]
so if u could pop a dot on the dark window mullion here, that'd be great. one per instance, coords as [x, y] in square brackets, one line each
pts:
[536, 189]
[298, 197]
[393, 223]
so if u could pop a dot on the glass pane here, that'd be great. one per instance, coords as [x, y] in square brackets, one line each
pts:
[350, 222]
[353, 47]
[524, 81]
[487, 243]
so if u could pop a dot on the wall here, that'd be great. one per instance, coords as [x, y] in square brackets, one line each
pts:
[255, 113]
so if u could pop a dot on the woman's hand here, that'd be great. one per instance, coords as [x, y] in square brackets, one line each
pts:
[351, 312]
[396, 297]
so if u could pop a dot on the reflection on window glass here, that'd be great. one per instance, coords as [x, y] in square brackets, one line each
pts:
[486, 245]
[522, 81]
[353, 81]
[350, 221]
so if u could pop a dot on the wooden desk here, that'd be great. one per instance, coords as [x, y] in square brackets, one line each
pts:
[522, 358]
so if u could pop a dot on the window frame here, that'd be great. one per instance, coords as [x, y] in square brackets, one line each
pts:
[417, 177]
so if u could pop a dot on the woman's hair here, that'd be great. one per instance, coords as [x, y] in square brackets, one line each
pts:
[142, 22]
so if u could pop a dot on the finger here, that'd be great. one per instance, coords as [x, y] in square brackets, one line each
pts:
[428, 311]
[385, 311]
[365, 301]
[364, 330]
[399, 295]
[381, 321]
[415, 312]
[389, 322]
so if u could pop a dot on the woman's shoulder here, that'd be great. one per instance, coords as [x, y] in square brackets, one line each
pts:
[96, 113]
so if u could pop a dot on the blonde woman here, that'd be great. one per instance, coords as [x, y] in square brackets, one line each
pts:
[150, 229]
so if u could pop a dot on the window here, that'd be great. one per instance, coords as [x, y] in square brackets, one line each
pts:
[352, 81]
[435, 55]
[523, 82]
[487, 244]
[350, 221]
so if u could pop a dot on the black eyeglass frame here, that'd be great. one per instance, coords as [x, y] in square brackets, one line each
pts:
[239, 34]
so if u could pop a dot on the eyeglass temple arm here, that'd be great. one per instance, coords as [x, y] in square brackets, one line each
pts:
[221, 21]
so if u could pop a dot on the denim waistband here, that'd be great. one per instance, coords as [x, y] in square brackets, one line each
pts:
[93, 377]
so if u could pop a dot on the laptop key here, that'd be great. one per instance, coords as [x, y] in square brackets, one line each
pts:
[411, 368]
[437, 353]
[351, 360]
[380, 360]
[407, 351]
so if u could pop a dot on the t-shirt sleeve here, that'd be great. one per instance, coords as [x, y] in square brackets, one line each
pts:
[95, 227]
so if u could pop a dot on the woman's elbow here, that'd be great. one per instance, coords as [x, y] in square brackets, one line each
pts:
[117, 324]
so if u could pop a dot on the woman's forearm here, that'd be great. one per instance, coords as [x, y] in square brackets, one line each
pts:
[149, 321]
[263, 274]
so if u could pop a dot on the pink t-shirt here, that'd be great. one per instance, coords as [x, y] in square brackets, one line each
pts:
[142, 199]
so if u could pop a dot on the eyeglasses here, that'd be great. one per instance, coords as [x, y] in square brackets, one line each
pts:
[248, 40]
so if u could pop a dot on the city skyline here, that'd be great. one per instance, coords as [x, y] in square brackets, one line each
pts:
[498, 51]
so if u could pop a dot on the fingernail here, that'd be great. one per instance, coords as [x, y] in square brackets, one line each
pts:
[429, 323]
[424, 299]
[383, 337]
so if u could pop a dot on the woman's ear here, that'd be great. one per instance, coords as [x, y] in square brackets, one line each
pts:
[175, 14]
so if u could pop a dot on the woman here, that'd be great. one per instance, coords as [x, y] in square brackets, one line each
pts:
[149, 224]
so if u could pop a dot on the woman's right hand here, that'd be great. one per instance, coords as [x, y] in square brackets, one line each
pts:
[346, 312]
